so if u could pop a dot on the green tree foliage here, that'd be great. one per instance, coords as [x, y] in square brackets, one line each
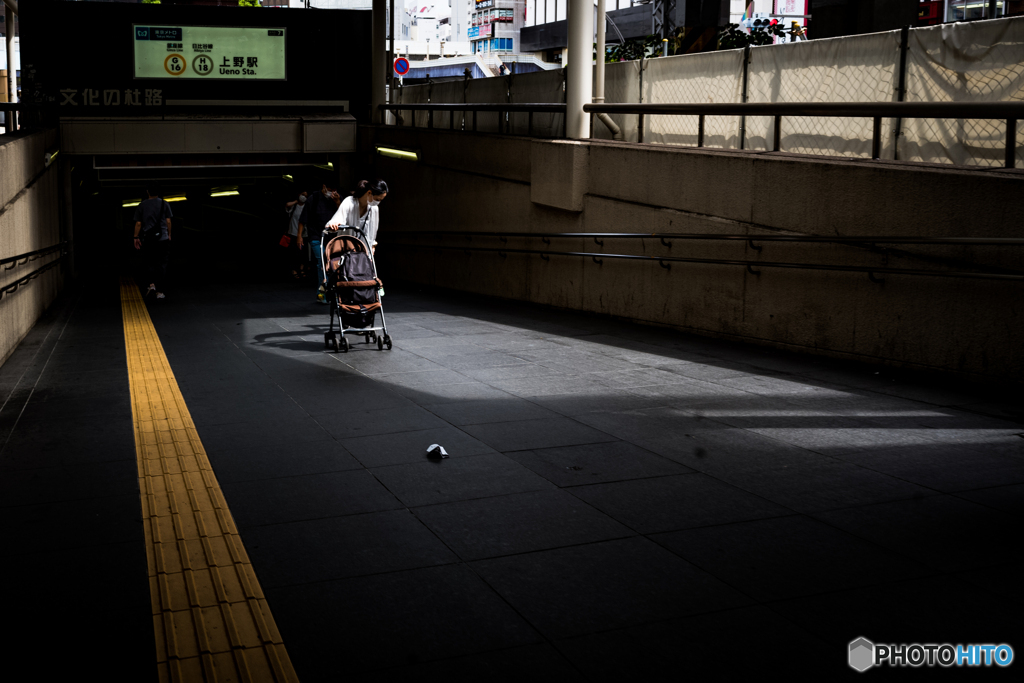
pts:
[249, 3]
[637, 48]
[731, 36]
[150, 2]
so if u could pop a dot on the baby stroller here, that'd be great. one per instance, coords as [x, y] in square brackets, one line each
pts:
[353, 289]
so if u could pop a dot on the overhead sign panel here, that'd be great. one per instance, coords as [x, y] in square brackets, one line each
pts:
[209, 52]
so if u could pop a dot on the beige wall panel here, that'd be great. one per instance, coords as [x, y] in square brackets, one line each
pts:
[499, 156]
[82, 137]
[971, 327]
[285, 136]
[28, 221]
[211, 138]
[329, 137]
[145, 137]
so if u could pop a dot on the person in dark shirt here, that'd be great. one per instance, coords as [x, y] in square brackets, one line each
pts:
[153, 221]
[319, 208]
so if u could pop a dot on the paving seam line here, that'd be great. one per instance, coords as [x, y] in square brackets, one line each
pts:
[210, 617]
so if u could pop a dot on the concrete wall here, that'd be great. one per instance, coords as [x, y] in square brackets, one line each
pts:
[29, 220]
[471, 182]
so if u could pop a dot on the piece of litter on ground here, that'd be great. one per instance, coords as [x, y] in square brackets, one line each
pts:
[437, 451]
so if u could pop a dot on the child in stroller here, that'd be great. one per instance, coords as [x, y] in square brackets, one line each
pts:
[353, 289]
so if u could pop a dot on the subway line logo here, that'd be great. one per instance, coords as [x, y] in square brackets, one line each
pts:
[863, 654]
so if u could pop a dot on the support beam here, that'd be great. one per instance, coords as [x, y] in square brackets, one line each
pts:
[390, 64]
[579, 86]
[379, 53]
[10, 7]
[602, 21]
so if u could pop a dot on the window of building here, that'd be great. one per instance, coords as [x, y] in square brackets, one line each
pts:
[968, 10]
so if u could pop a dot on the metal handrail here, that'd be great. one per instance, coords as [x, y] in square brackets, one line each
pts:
[1010, 112]
[30, 255]
[475, 107]
[886, 239]
[13, 287]
[935, 110]
[666, 262]
[555, 108]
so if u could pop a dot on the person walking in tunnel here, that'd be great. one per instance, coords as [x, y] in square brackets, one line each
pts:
[153, 238]
[359, 210]
[317, 210]
[293, 240]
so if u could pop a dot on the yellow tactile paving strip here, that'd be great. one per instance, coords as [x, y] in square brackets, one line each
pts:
[211, 620]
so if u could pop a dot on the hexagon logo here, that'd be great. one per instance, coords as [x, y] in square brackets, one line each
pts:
[862, 654]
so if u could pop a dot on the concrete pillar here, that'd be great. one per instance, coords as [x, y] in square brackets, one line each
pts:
[12, 73]
[389, 65]
[579, 86]
[599, 64]
[378, 47]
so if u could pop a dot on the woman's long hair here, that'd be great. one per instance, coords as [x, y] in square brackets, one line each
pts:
[378, 186]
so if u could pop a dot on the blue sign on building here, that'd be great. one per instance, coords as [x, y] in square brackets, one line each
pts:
[474, 31]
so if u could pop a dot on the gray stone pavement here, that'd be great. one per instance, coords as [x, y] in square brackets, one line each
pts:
[619, 500]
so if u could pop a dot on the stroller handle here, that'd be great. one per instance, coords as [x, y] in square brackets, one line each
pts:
[328, 231]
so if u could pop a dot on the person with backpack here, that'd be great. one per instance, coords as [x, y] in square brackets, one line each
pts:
[317, 210]
[153, 238]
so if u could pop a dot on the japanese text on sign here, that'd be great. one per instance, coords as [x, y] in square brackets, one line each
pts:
[90, 97]
[209, 52]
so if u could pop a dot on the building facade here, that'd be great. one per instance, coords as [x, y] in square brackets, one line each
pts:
[462, 14]
[494, 26]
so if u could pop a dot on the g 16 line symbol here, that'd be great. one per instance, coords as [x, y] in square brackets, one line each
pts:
[175, 64]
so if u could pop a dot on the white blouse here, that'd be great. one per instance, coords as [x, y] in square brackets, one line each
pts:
[348, 214]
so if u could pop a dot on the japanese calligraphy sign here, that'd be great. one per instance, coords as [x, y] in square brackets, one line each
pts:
[209, 52]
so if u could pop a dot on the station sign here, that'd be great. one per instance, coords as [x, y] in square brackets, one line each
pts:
[209, 53]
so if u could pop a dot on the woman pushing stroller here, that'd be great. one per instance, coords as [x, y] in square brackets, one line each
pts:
[359, 210]
[350, 281]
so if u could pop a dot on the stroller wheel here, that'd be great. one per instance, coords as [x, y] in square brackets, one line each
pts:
[387, 341]
[345, 346]
[380, 344]
[334, 344]
[366, 339]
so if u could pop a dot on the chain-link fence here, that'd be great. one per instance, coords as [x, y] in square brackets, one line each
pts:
[706, 78]
[980, 61]
[851, 69]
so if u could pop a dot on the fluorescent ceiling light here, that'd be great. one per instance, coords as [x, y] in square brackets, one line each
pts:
[398, 153]
[287, 177]
[229, 193]
[130, 202]
[175, 198]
